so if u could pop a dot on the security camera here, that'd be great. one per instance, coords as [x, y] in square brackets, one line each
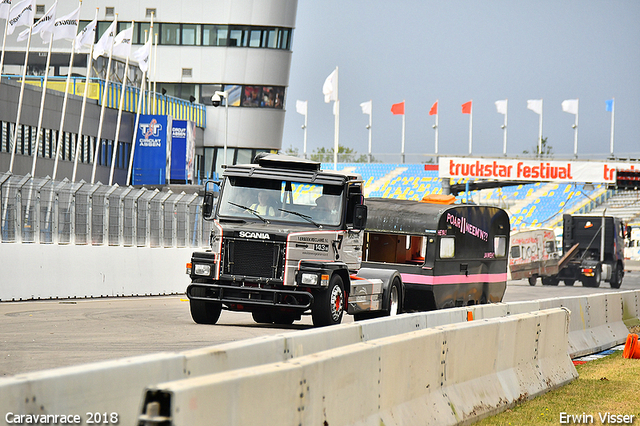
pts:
[216, 100]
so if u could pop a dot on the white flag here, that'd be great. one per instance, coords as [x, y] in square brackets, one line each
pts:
[44, 25]
[142, 56]
[106, 41]
[535, 105]
[570, 106]
[67, 26]
[5, 6]
[301, 107]
[86, 36]
[21, 15]
[366, 107]
[329, 88]
[501, 106]
[122, 43]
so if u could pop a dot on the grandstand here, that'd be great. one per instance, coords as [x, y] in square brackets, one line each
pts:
[534, 205]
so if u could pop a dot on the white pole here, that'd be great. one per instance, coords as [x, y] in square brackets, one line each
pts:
[84, 104]
[105, 92]
[575, 136]
[504, 127]
[613, 111]
[155, 77]
[148, 109]
[120, 108]
[43, 95]
[135, 127]
[403, 124]
[435, 127]
[304, 128]
[64, 107]
[540, 132]
[24, 76]
[471, 128]
[369, 126]
[336, 132]
[226, 125]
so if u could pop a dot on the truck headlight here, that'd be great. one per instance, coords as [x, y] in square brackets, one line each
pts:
[309, 279]
[202, 269]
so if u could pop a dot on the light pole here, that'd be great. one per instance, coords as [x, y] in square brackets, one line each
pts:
[215, 100]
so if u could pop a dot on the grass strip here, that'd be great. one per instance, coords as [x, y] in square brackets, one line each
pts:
[606, 385]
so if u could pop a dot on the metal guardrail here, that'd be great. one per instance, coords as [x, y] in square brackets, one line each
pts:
[43, 211]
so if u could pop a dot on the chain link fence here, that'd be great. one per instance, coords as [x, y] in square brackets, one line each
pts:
[43, 211]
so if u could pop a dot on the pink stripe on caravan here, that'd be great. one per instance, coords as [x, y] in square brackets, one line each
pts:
[453, 279]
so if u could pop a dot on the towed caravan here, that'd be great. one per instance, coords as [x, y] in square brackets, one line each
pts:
[447, 255]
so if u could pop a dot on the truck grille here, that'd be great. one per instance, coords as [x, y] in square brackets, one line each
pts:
[260, 259]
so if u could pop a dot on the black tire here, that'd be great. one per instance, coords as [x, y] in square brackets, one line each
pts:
[569, 283]
[616, 279]
[532, 280]
[328, 305]
[283, 318]
[204, 312]
[593, 281]
[394, 304]
[262, 317]
[550, 281]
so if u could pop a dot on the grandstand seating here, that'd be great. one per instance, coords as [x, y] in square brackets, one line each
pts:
[540, 204]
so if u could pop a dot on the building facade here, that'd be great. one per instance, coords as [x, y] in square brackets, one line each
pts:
[240, 47]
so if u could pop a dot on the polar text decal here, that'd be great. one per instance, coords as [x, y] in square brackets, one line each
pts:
[467, 228]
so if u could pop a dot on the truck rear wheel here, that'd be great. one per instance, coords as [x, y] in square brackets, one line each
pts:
[328, 306]
[616, 279]
[533, 279]
[204, 312]
[550, 281]
[593, 281]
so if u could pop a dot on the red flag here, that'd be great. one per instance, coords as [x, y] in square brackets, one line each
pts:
[434, 109]
[398, 109]
[466, 108]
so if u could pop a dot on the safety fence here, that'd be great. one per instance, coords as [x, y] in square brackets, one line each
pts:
[40, 210]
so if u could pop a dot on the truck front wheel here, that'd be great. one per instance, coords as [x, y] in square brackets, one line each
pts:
[328, 306]
[204, 312]
[616, 279]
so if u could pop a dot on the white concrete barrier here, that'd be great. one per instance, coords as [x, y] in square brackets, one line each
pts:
[52, 271]
[422, 377]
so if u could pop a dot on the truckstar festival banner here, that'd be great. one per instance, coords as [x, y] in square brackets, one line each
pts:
[528, 170]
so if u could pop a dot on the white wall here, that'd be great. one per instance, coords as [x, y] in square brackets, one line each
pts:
[45, 271]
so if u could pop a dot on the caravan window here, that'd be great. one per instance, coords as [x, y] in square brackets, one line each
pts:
[500, 246]
[447, 247]
[515, 252]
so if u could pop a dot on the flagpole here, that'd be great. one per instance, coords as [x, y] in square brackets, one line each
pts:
[120, 107]
[435, 126]
[613, 111]
[102, 109]
[64, 105]
[471, 127]
[403, 124]
[304, 142]
[504, 127]
[84, 104]
[575, 136]
[141, 96]
[155, 77]
[336, 135]
[43, 95]
[24, 76]
[540, 132]
[369, 126]
[148, 109]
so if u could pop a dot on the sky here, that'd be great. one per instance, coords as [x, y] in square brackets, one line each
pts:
[455, 51]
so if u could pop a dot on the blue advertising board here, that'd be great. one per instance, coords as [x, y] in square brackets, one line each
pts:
[152, 155]
[183, 149]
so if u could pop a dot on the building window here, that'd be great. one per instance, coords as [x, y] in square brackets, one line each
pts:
[40, 9]
[170, 34]
[109, 11]
[190, 34]
[151, 12]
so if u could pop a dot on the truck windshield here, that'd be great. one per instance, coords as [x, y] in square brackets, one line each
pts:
[281, 200]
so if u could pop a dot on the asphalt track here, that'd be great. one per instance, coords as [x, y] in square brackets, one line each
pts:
[40, 335]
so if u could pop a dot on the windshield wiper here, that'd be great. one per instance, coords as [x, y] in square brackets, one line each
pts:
[249, 209]
[304, 216]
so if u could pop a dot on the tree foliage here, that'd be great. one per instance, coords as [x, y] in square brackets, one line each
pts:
[546, 151]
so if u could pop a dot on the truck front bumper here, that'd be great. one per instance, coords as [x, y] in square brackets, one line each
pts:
[240, 297]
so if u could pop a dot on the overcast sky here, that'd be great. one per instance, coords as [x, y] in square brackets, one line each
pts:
[460, 50]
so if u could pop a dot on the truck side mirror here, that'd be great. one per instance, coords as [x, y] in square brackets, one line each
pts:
[207, 205]
[360, 216]
[628, 232]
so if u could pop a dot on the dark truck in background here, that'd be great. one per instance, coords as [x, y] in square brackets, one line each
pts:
[600, 255]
